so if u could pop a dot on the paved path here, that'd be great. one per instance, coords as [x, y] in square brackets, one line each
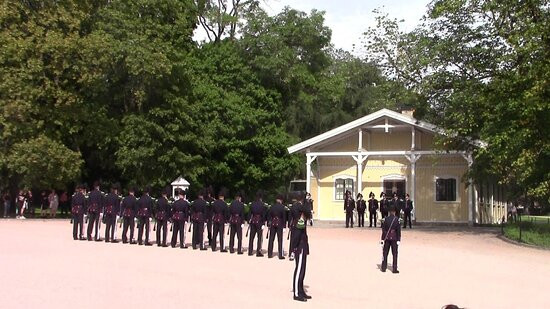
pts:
[42, 267]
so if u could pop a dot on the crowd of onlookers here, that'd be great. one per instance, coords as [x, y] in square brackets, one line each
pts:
[26, 204]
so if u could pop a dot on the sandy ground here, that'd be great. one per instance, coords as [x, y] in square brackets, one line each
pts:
[42, 267]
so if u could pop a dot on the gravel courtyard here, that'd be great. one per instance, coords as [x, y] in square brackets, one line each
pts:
[42, 267]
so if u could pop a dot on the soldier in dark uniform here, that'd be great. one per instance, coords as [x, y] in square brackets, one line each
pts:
[299, 248]
[145, 209]
[407, 211]
[276, 218]
[78, 206]
[384, 205]
[180, 214]
[198, 217]
[220, 214]
[373, 207]
[208, 213]
[349, 206]
[395, 203]
[257, 224]
[361, 207]
[236, 220]
[391, 237]
[95, 208]
[112, 209]
[129, 210]
[162, 214]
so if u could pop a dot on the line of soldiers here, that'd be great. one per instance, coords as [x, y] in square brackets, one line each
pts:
[402, 207]
[205, 212]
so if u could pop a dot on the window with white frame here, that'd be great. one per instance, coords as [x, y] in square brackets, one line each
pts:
[341, 185]
[445, 189]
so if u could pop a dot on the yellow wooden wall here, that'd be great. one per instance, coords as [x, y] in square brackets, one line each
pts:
[327, 169]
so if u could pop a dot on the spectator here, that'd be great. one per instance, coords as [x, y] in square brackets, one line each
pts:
[54, 202]
[7, 200]
[44, 203]
[64, 203]
[30, 202]
[21, 205]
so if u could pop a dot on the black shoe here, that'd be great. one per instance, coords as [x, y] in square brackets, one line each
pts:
[395, 271]
[194, 248]
[250, 254]
[231, 251]
[165, 245]
[223, 251]
[124, 241]
[270, 256]
[175, 246]
[214, 249]
[299, 298]
[132, 242]
[259, 255]
[98, 239]
[281, 258]
[140, 243]
[184, 247]
[306, 296]
[148, 244]
[383, 270]
[114, 241]
[203, 249]
[82, 238]
[240, 253]
[90, 239]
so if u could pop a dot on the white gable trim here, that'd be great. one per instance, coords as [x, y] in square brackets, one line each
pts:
[361, 121]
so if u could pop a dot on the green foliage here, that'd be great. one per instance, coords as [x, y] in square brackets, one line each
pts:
[482, 67]
[537, 234]
[44, 163]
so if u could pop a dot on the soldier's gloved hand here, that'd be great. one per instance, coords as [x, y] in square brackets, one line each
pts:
[398, 242]
[263, 226]
[381, 243]
[242, 226]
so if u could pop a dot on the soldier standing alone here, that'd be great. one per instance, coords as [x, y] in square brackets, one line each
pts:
[384, 204]
[391, 238]
[300, 248]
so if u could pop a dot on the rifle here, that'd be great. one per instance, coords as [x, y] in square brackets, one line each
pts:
[155, 226]
[268, 231]
[247, 230]
[228, 228]
[114, 228]
[99, 219]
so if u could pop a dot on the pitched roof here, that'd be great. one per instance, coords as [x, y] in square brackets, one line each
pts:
[362, 121]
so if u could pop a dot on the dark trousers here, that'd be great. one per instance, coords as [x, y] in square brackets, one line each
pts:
[361, 219]
[349, 219]
[299, 274]
[209, 228]
[177, 227]
[384, 214]
[128, 223]
[143, 223]
[93, 220]
[218, 228]
[64, 208]
[407, 216]
[372, 218]
[290, 242]
[78, 226]
[255, 231]
[198, 231]
[110, 226]
[236, 229]
[162, 225]
[386, 250]
[272, 232]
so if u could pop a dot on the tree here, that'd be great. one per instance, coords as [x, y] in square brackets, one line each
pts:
[482, 67]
